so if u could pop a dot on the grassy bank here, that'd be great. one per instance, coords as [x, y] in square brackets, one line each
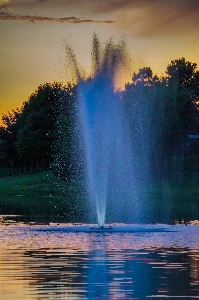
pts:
[41, 184]
[174, 200]
[41, 196]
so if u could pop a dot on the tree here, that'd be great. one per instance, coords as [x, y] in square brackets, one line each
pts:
[66, 142]
[182, 73]
[8, 137]
[35, 136]
[144, 77]
[29, 135]
[184, 78]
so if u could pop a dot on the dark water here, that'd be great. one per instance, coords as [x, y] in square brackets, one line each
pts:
[58, 264]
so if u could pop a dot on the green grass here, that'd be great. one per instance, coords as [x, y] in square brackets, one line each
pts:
[40, 184]
[174, 199]
[41, 195]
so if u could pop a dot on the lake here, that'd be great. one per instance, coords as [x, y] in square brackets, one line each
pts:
[60, 261]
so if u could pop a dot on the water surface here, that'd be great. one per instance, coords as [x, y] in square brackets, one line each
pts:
[38, 261]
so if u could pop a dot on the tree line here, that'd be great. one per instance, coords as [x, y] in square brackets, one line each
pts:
[28, 135]
[167, 107]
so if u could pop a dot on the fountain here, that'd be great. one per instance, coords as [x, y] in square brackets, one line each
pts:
[121, 138]
[106, 135]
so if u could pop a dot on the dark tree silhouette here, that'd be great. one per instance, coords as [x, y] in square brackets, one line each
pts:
[183, 78]
[28, 136]
[8, 137]
[164, 110]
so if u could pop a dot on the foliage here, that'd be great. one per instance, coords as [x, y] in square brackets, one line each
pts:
[28, 135]
[8, 137]
[36, 196]
[44, 130]
[65, 142]
[163, 113]
[184, 79]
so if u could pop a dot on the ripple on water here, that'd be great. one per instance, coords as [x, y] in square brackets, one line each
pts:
[46, 264]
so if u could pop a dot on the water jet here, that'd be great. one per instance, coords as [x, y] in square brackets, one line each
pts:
[106, 137]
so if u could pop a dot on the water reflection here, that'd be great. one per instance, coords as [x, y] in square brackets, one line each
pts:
[99, 274]
[41, 265]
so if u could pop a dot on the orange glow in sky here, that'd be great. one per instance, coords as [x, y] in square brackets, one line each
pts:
[33, 34]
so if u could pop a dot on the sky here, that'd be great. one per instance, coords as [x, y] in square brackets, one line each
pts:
[34, 33]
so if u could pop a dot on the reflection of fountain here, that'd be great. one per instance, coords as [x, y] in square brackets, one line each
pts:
[58, 264]
[106, 135]
[98, 279]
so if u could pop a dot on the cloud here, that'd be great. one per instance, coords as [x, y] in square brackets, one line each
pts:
[154, 17]
[138, 17]
[74, 20]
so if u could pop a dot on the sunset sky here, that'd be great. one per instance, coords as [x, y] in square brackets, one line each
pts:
[33, 34]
